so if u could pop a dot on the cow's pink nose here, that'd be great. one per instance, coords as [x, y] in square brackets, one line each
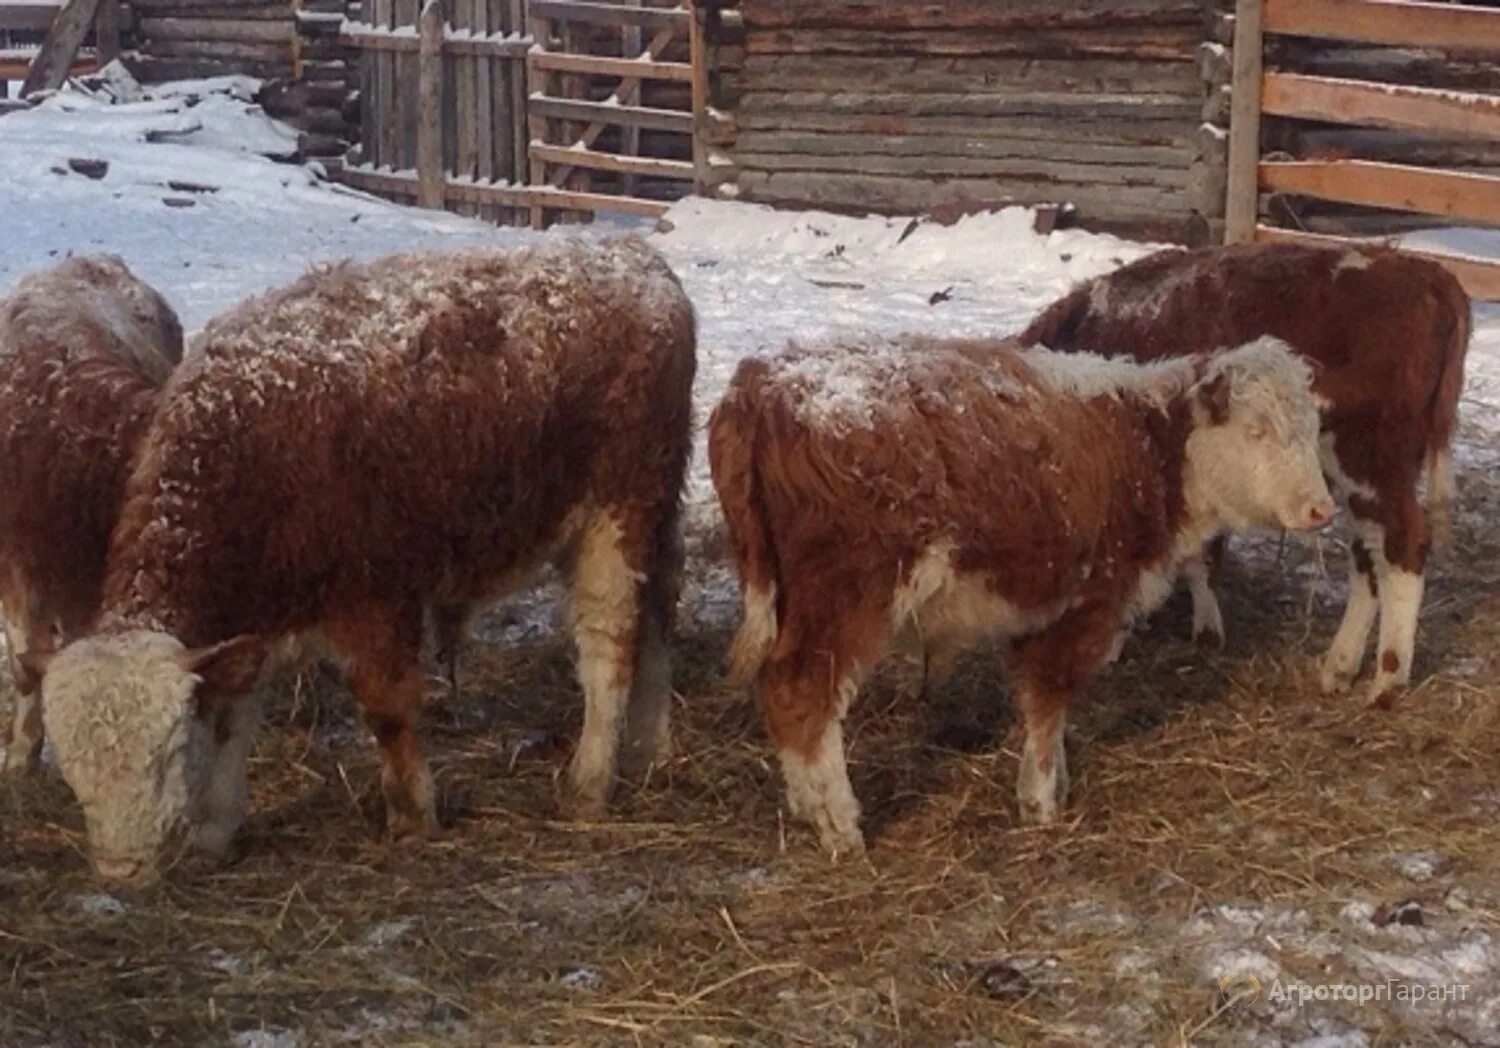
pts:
[1319, 514]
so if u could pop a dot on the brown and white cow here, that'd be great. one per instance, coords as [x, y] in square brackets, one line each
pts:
[975, 490]
[84, 348]
[1387, 334]
[421, 431]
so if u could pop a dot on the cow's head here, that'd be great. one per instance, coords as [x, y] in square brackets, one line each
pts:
[1252, 456]
[131, 718]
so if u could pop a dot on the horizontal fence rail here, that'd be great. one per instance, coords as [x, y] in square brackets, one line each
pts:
[1449, 194]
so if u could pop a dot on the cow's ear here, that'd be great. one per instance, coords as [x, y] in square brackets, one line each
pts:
[224, 670]
[1211, 399]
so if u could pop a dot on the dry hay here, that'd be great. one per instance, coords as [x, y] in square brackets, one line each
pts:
[1202, 784]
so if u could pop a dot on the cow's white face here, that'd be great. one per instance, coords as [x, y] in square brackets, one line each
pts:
[126, 718]
[1252, 458]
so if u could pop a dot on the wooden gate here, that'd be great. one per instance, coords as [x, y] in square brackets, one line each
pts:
[521, 110]
[1339, 100]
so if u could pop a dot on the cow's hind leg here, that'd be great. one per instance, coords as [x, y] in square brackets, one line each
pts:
[382, 647]
[1042, 785]
[607, 605]
[648, 715]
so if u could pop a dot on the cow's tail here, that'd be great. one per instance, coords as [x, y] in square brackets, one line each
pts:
[732, 438]
[1455, 319]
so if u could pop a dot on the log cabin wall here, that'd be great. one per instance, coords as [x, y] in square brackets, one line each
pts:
[292, 44]
[898, 106]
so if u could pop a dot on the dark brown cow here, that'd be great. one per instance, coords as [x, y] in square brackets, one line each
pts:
[1387, 333]
[972, 489]
[84, 347]
[422, 431]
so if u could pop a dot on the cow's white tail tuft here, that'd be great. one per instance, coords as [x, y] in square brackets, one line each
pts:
[1440, 496]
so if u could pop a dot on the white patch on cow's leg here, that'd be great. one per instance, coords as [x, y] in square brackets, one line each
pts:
[606, 613]
[1208, 621]
[227, 800]
[648, 717]
[1400, 605]
[1042, 785]
[1347, 653]
[818, 791]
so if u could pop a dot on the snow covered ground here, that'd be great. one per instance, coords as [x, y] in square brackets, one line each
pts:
[178, 182]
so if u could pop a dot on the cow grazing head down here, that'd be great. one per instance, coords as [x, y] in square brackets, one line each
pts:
[132, 719]
[1252, 456]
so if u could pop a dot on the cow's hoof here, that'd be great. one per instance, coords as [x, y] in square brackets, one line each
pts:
[1335, 679]
[841, 842]
[1209, 639]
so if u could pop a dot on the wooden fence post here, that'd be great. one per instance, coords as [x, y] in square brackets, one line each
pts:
[107, 32]
[53, 62]
[430, 106]
[538, 81]
[698, 56]
[1243, 192]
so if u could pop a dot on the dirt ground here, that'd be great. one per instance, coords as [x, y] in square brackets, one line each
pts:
[1226, 819]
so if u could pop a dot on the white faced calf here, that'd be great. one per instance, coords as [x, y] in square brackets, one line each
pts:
[973, 490]
[422, 431]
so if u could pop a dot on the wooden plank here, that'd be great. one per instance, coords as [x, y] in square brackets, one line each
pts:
[616, 115]
[385, 84]
[539, 123]
[619, 14]
[631, 44]
[502, 139]
[108, 22]
[483, 115]
[1403, 23]
[698, 61]
[1244, 124]
[1381, 105]
[454, 42]
[966, 74]
[466, 157]
[601, 161]
[923, 167]
[1064, 143]
[1480, 277]
[52, 63]
[1177, 43]
[1395, 186]
[1019, 15]
[406, 185]
[598, 65]
[227, 51]
[30, 18]
[246, 31]
[516, 115]
[405, 15]
[430, 106]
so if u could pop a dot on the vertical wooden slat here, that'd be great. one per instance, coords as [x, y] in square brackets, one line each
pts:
[450, 105]
[430, 106]
[466, 159]
[1242, 190]
[698, 55]
[406, 88]
[385, 92]
[52, 63]
[540, 81]
[501, 141]
[484, 71]
[107, 32]
[516, 111]
[630, 137]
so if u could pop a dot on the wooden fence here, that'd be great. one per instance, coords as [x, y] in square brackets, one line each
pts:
[1258, 92]
[506, 108]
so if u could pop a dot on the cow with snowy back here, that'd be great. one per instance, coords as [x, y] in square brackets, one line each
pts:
[973, 490]
[1386, 333]
[84, 349]
[420, 431]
